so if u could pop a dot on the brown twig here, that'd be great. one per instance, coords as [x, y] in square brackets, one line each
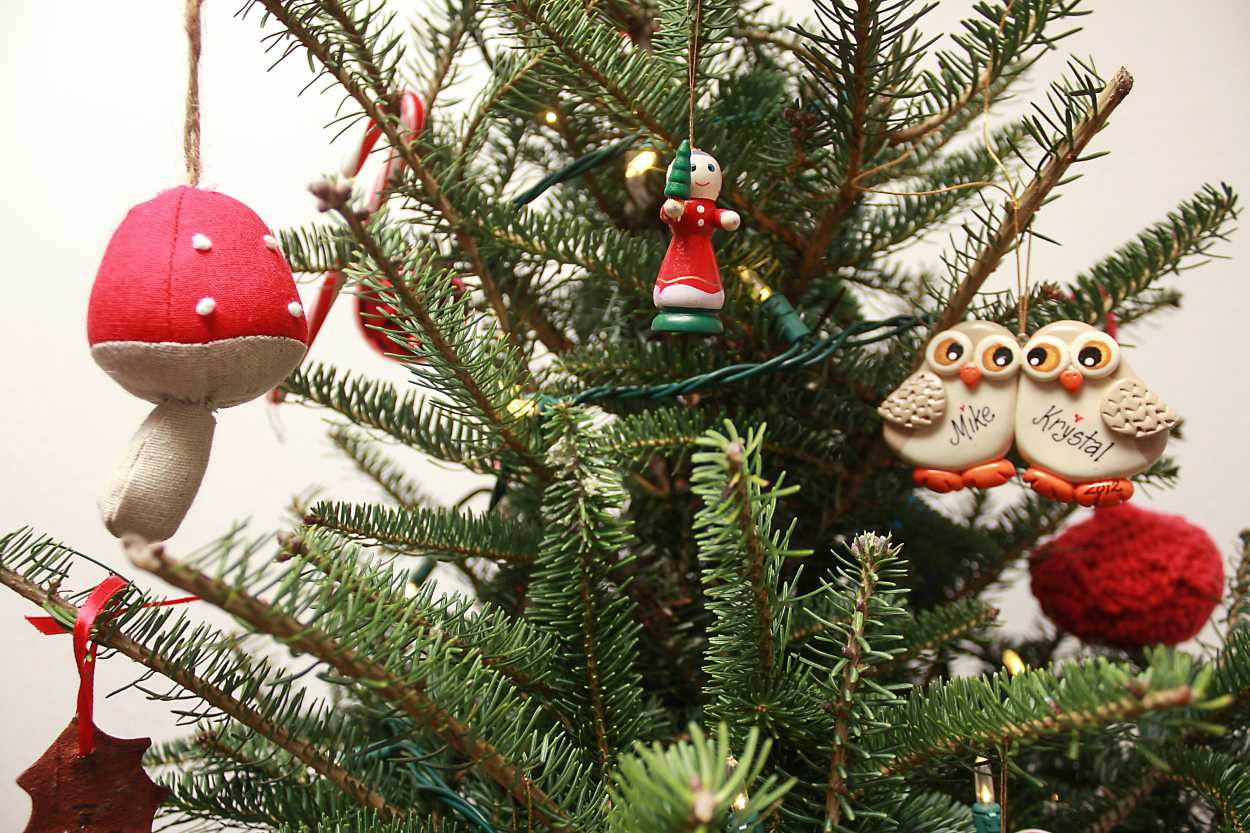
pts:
[306, 752]
[1006, 237]
[773, 39]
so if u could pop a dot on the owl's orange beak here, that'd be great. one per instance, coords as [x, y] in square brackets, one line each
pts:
[971, 374]
[1071, 379]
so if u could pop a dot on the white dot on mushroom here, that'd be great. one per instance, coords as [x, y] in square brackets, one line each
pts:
[206, 306]
[295, 309]
[201, 243]
[271, 242]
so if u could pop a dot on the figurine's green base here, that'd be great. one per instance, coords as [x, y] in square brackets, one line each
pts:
[686, 320]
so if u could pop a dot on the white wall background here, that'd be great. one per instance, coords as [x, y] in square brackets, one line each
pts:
[92, 96]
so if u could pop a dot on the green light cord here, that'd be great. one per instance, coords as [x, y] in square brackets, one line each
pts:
[575, 169]
[424, 779]
[798, 355]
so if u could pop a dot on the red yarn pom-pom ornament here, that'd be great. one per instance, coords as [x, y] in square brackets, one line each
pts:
[1129, 577]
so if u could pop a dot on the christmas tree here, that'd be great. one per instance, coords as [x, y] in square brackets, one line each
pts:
[707, 596]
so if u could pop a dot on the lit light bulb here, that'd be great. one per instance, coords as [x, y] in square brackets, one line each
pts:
[740, 802]
[641, 163]
[1013, 663]
[760, 291]
[523, 407]
[551, 117]
[983, 780]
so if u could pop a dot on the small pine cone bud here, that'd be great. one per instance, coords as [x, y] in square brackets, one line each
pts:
[330, 192]
[703, 806]
[1052, 291]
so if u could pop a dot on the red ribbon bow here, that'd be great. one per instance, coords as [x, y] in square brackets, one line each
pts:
[85, 650]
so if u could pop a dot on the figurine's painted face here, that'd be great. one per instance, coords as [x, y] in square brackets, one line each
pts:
[705, 176]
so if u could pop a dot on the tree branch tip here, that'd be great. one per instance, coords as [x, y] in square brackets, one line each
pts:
[144, 554]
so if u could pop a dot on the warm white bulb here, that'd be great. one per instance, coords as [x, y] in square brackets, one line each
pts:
[983, 780]
[1013, 662]
[740, 802]
[551, 117]
[641, 163]
[522, 407]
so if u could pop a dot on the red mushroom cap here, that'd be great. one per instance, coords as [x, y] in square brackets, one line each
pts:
[195, 303]
[153, 276]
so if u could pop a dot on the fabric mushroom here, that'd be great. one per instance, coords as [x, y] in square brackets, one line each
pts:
[193, 309]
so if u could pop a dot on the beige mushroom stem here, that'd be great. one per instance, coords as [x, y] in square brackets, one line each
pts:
[153, 486]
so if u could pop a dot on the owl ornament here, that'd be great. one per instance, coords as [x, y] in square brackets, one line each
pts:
[1084, 421]
[954, 418]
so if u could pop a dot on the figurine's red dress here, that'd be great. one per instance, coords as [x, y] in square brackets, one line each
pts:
[690, 259]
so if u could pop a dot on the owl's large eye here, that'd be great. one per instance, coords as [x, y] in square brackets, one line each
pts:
[998, 357]
[1097, 354]
[1045, 357]
[948, 351]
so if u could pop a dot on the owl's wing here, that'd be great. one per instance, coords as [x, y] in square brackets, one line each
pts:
[1132, 408]
[916, 402]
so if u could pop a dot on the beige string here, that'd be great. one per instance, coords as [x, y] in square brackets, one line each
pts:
[191, 119]
[692, 61]
[1022, 272]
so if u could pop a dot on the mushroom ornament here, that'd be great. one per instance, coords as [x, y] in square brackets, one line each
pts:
[1085, 422]
[193, 309]
[953, 418]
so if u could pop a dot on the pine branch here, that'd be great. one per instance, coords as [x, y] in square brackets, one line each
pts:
[1220, 778]
[567, 28]
[408, 418]
[17, 548]
[409, 695]
[943, 626]
[1031, 705]
[447, 55]
[297, 27]
[1005, 42]
[691, 787]
[430, 532]
[870, 552]
[504, 82]
[577, 592]
[1018, 219]
[513, 649]
[1167, 247]
[859, 92]
[377, 467]
[741, 556]
[740, 481]
[1109, 808]
[1239, 587]
[439, 342]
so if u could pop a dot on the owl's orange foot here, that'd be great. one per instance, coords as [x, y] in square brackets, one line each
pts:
[989, 475]
[1104, 493]
[938, 480]
[1049, 485]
